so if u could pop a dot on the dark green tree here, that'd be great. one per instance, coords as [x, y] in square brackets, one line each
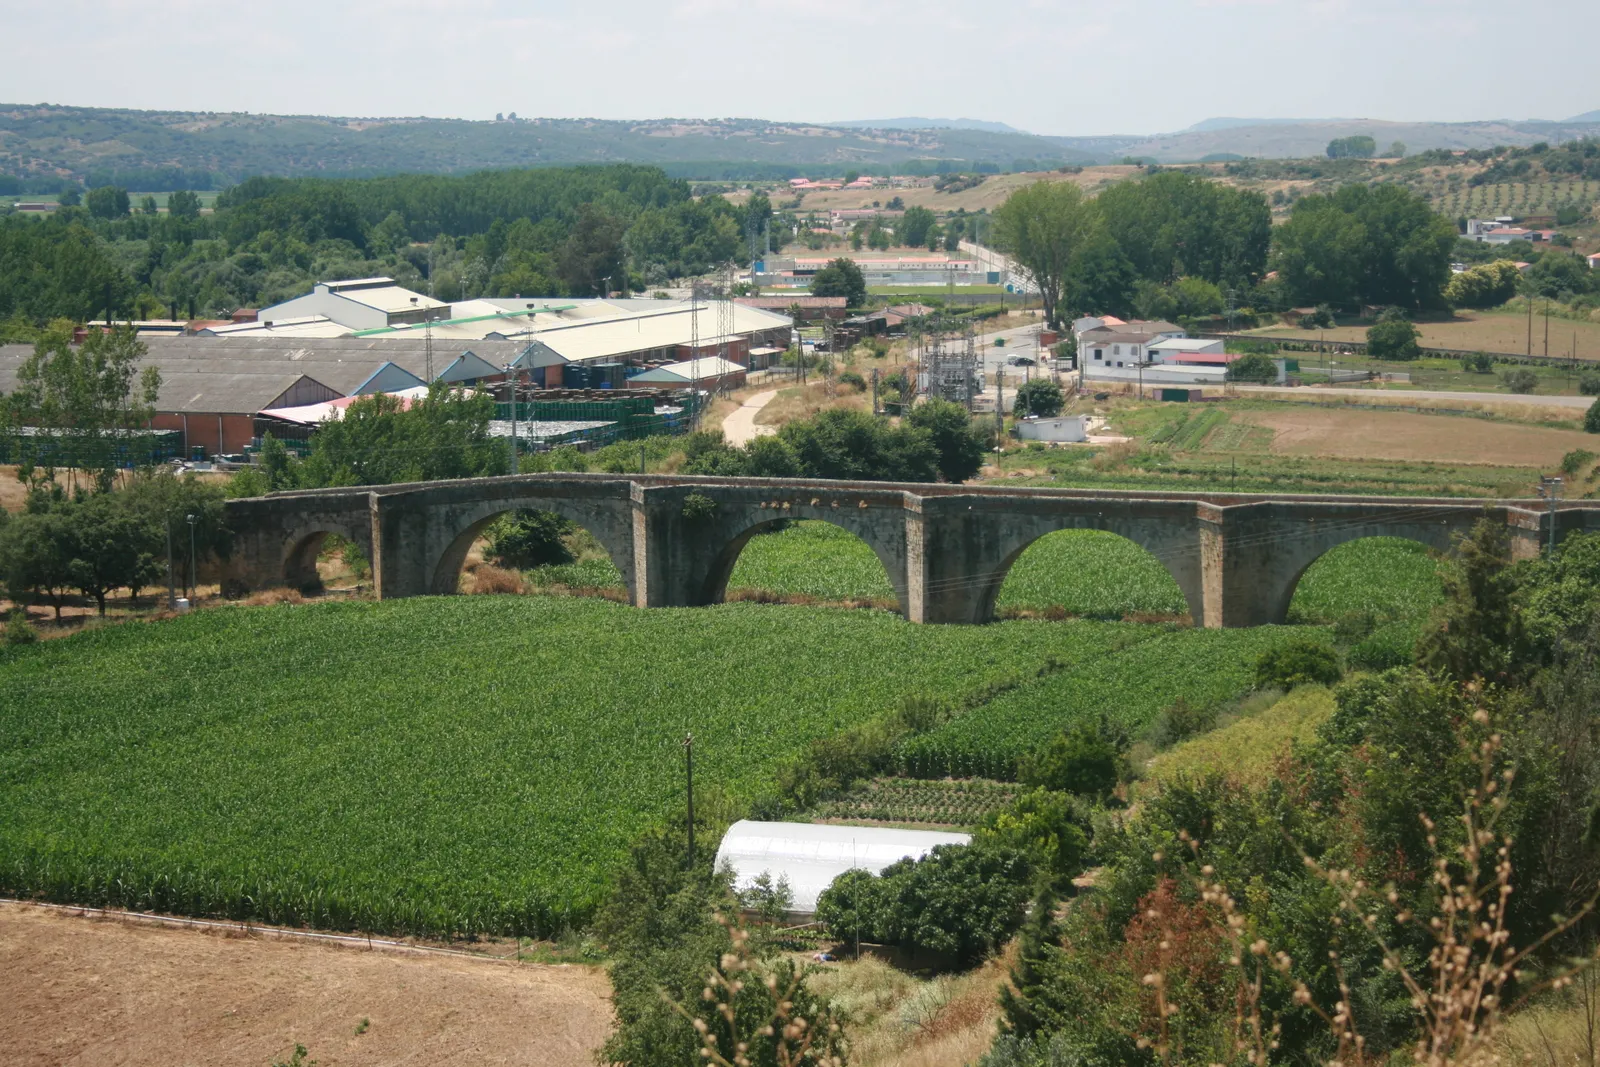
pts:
[1393, 338]
[1478, 631]
[183, 204]
[112, 547]
[592, 252]
[959, 444]
[914, 226]
[1086, 760]
[1252, 368]
[1039, 396]
[108, 202]
[1042, 227]
[843, 278]
[529, 538]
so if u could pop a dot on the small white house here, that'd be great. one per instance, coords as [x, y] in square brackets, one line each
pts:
[809, 856]
[1067, 429]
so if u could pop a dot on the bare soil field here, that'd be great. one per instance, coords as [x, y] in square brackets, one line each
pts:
[988, 196]
[1477, 331]
[1406, 436]
[98, 992]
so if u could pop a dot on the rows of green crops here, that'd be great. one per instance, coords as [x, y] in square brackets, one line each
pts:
[1087, 573]
[1140, 675]
[1082, 572]
[1385, 577]
[431, 765]
[1091, 573]
[811, 559]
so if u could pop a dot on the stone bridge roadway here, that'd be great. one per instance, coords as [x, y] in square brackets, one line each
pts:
[946, 548]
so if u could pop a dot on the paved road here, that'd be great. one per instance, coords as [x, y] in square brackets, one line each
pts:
[740, 428]
[1517, 399]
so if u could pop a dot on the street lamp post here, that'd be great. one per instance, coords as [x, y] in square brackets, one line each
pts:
[191, 519]
[172, 593]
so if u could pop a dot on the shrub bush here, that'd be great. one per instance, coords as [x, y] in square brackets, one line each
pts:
[527, 538]
[962, 901]
[1252, 368]
[1085, 760]
[851, 378]
[1521, 380]
[1573, 463]
[1478, 363]
[1388, 646]
[1591, 420]
[19, 631]
[1299, 662]
[1589, 383]
[1393, 338]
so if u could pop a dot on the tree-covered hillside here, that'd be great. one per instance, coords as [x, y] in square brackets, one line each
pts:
[42, 145]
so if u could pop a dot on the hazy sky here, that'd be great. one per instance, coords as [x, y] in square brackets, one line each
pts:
[1049, 67]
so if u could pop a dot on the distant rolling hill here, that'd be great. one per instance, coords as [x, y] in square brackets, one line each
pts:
[42, 146]
[926, 124]
[54, 143]
[1295, 140]
[1587, 116]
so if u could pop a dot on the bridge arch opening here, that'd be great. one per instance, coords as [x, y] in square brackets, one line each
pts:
[321, 560]
[529, 550]
[807, 561]
[1092, 574]
[1367, 583]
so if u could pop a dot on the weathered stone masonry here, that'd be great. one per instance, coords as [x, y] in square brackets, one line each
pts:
[946, 548]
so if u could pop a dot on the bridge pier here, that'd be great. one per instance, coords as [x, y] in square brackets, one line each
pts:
[967, 544]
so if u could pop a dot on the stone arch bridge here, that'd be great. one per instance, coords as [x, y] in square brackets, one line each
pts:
[946, 548]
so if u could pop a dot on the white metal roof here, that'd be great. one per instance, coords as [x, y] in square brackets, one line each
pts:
[812, 855]
[690, 370]
[303, 326]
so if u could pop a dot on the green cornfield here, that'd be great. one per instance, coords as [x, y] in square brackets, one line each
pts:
[1388, 578]
[1142, 671]
[811, 559]
[432, 766]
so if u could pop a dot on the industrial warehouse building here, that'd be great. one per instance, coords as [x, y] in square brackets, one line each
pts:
[296, 354]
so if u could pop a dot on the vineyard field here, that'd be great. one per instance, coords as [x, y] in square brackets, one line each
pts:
[1130, 685]
[961, 802]
[435, 765]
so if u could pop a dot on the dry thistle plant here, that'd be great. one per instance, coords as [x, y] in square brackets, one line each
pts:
[795, 1040]
[1461, 998]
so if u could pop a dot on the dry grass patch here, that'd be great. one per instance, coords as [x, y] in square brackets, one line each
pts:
[1474, 331]
[805, 401]
[1358, 433]
[902, 1021]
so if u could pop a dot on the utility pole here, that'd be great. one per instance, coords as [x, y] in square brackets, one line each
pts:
[1530, 323]
[999, 405]
[875, 409]
[688, 771]
[1547, 329]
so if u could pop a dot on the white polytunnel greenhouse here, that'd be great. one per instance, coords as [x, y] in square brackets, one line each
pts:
[811, 855]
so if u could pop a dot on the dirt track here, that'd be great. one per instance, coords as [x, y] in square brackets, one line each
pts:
[80, 991]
